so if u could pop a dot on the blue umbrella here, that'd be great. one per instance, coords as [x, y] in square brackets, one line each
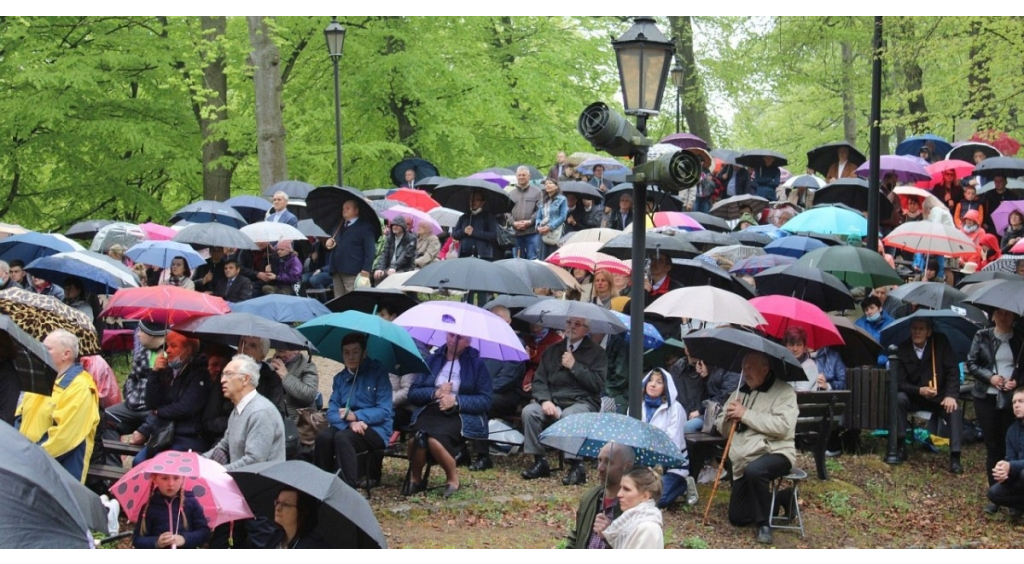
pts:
[282, 308]
[652, 338]
[912, 145]
[251, 208]
[388, 343]
[769, 230]
[757, 264]
[584, 434]
[959, 331]
[829, 219]
[208, 211]
[99, 274]
[27, 247]
[161, 253]
[794, 246]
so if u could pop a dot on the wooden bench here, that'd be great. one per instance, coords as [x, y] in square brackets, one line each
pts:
[106, 472]
[121, 448]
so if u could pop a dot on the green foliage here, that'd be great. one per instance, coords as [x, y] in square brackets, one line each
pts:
[695, 542]
[838, 503]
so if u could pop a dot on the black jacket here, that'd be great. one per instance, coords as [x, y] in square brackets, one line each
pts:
[915, 373]
[399, 258]
[484, 240]
[981, 361]
[179, 399]
[238, 291]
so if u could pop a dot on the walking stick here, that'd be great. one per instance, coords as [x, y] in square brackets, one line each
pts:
[721, 464]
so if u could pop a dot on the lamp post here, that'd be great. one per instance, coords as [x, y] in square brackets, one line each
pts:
[643, 55]
[677, 81]
[335, 35]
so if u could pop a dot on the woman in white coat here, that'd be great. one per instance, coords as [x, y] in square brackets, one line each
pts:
[661, 410]
[639, 526]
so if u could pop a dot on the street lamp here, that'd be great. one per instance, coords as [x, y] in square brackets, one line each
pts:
[677, 81]
[335, 35]
[643, 55]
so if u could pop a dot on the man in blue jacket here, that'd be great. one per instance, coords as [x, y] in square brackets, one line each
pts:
[1009, 474]
[352, 249]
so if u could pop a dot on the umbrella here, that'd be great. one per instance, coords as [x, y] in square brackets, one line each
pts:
[931, 239]
[795, 246]
[212, 486]
[98, 274]
[725, 348]
[965, 151]
[369, 300]
[294, 189]
[861, 349]
[751, 239]
[759, 263]
[769, 230]
[685, 141]
[492, 177]
[958, 330]
[554, 314]
[32, 362]
[209, 211]
[37, 507]
[822, 157]
[755, 158]
[710, 222]
[585, 256]
[907, 170]
[309, 228]
[282, 308]
[1000, 140]
[912, 145]
[445, 217]
[413, 214]
[380, 205]
[157, 232]
[413, 198]
[707, 304]
[699, 273]
[783, 312]
[652, 337]
[86, 230]
[399, 281]
[161, 253]
[609, 164]
[344, 518]
[229, 328]
[962, 169]
[729, 208]
[577, 158]
[535, 274]
[1005, 263]
[1010, 167]
[7, 229]
[272, 232]
[37, 315]
[707, 240]
[678, 220]
[214, 235]
[124, 234]
[502, 433]
[251, 208]
[1001, 215]
[585, 434]
[856, 266]
[806, 181]
[852, 192]
[933, 295]
[471, 275]
[923, 195]
[829, 219]
[431, 182]
[430, 323]
[985, 276]
[655, 244]
[1004, 294]
[581, 189]
[422, 167]
[806, 283]
[325, 204]
[593, 235]
[733, 253]
[27, 247]
[513, 303]
[377, 193]
[163, 304]
[727, 156]
[455, 194]
[386, 342]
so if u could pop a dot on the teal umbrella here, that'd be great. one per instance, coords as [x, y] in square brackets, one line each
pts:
[387, 343]
[583, 435]
[829, 219]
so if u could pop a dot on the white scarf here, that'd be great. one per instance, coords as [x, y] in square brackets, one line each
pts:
[619, 531]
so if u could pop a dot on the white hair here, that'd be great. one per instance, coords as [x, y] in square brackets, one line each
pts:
[249, 367]
[282, 194]
[66, 340]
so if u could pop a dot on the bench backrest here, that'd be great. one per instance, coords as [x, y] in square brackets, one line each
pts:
[820, 412]
[869, 407]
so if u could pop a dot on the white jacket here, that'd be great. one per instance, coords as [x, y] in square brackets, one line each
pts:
[637, 527]
[670, 416]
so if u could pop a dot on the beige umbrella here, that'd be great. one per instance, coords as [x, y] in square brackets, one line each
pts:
[707, 304]
[576, 159]
[8, 229]
[563, 275]
[397, 282]
[595, 235]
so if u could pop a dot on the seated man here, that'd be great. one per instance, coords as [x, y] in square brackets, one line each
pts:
[764, 411]
[600, 506]
[929, 380]
[1008, 491]
[255, 430]
[873, 320]
[125, 417]
[233, 287]
[569, 380]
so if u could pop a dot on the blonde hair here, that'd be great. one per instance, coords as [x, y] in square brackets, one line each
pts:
[647, 480]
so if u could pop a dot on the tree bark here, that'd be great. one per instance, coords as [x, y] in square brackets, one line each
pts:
[849, 102]
[217, 171]
[695, 105]
[978, 78]
[270, 131]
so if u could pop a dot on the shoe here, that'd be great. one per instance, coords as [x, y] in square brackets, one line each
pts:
[955, 467]
[991, 509]
[450, 490]
[764, 535]
[692, 497]
[707, 475]
[901, 451]
[576, 476]
[540, 469]
[1015, 514]
[413, 488]
[367, 484]
[833, 453]
[481, 463]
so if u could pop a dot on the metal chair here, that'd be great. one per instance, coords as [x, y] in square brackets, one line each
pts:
[796, 476]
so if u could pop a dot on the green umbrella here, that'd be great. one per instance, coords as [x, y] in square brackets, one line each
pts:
[856, 266]
[387, 343]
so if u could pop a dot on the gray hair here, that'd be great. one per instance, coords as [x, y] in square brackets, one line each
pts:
[4, 267]
[263, 341]
[66, 340]
[249, 367]
[523, 168]
[282, 194]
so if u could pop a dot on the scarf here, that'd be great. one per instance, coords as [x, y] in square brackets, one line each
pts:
[650, 406]
[619, 531]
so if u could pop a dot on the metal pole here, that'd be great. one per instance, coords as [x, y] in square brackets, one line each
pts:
[337, 117]
[679, 110]
[876, 137]
[892, 447]
[636, 301]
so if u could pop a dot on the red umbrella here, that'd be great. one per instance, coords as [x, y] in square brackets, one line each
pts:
[783, 312]
[163, 304]
[413, 198]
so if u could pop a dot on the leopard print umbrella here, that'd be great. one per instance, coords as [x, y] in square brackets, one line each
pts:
[38, 315]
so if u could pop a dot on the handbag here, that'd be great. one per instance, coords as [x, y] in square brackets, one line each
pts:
[506, 238]
[552, 237]
[161, 440]
[310, 422]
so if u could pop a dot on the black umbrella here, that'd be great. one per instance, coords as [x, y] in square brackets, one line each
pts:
[214, 235]
[933, 295]
[752, 238]
[806, 283]
[860, 349]
[674, 246]
[1005, 294]
[1010, 167]
[755, 158]
[376, 194]
[661, 200]
[454, 194]
[32, 362]
[324, 205]
[958, 330]
[369, 300]
[469, 274]
[965, 152]
[535, 274]
[707, 240]
[209, 211]
[581, 189]
[985, 276]
[422, 167]
[513, 303]
[729, 208]
[86, 230]
[37, 508]
[852, 192]
[294, 189]
[309, 228]
[699, 273]
[344, 518]
[710, 222]
[726, 347]
[429, 183]
[820, 158]
[229, 328]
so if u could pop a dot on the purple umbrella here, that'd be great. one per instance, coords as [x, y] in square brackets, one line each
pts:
[495, 178]
[758, 264]
[685, 141]
[907, 169]
[1001, 217]
[430, 322]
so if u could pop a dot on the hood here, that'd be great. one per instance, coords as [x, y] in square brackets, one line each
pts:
[974, 216]
[669, 383]
[400, 221]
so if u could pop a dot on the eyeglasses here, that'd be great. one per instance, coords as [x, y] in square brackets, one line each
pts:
[232, 373]
[283, 505]
[575, 324]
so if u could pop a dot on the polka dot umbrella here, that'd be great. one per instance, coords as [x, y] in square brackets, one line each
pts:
[583, 435]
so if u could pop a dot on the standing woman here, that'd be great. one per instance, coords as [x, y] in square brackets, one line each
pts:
[639, 526]
[993, 363]
[179, 274]
[550, 216]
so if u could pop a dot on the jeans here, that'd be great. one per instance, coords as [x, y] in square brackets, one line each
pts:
[702, 205]
[527, 246]
[693, 426]
[767, 192]
[672, 486]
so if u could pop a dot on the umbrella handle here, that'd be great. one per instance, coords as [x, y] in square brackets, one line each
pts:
[718, 475]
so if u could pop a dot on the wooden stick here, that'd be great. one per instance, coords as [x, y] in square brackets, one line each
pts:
[718, 475]
[935, 378]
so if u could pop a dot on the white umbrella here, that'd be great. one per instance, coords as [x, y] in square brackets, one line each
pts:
[271, 232]
[445, 217]
[594, 235]
[397, 282]
[707, 304]
[931, 238]
[120, 233]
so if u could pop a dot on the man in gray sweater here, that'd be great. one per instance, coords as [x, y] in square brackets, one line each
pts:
[255, 428]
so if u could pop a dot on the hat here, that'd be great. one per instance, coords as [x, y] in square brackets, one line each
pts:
[969, 268]
[153, 329]
[973, 215]
[749, 218]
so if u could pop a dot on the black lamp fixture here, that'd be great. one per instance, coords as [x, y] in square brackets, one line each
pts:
[643, 55]
[335, 36]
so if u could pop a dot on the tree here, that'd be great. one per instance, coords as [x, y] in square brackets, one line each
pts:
[270, 132]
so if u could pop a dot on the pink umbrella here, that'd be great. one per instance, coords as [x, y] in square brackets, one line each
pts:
[157, 232]
[783, 312]
[414, 215]
[678, 220]
[213, 488]
[587, 257]
[963, 169]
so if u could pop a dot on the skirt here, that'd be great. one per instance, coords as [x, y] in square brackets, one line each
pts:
[443, 427]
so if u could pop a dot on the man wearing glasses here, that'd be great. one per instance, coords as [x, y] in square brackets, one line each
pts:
[569, 380]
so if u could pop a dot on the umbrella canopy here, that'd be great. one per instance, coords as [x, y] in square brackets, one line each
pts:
[677, 220]
[469, 274]
[37, 315]
[733, 253]
[120, 233]
[430, 323]
[1001, 215]
[852, 192]
[157, 232]
[251, 208]
[912, 145]
[1010, 167]
[417, 199]
[705, 241]
[861, 349]
[1005, 264]
[783, 312]
[381, 205]
[32, 362]
[1004, 294]
[161, 253]
[729, 208]
[214, 235]
[985, 276]
[581, 189]
[272, 232]
[907, 170]
[386, 342]
[685, 141]
[769, 230]
[282, 308]
[609, 164]
[37, 507]
[400, 281]
[7, 229]
[710, 222]
[931, 239]
[577, 158]
[294, 189]
[795, 246]
[98, 274]
[515, 304]
[325, 204]
[445, 217]
[229, 328]
[652, 337]
[830, 219]
[933, 295]
[699, 273]
[454, 194]
[905, 191]
[369, 300]
[593, 235]
[725, 348]
[856, 266]
[755, 158]
[163, 304]
[756, 264]
[585, 434]
[309, 228]
[535, 274]
[413, 215]
[86, 230]
[27, 247]
[344, 518]
[822, 157]
[209, 211]
[493, 177]
[585, 256]
[655, 244]
[421, 167]
[211, 485]
[958, 330]
[707, 304]
[806, 283]
[752, 239]
[806, 181]
[965, 151]
[554, 314]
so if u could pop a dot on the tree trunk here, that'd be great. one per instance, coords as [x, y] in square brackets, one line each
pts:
[270, 132]
[695, 105]
[216, 175]
[849, 103]
[980, 92]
